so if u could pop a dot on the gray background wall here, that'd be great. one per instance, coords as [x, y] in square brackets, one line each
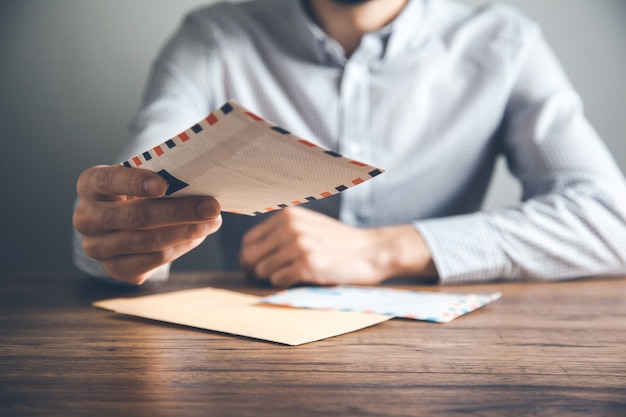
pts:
[72, 72]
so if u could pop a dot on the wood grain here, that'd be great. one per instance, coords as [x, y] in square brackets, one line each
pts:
[543, 349]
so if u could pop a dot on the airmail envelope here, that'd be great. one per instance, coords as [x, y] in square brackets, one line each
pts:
[250, 165]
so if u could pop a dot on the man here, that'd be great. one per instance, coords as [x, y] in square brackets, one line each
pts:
[430, 90]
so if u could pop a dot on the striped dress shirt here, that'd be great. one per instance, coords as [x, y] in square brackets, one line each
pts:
[434, 98]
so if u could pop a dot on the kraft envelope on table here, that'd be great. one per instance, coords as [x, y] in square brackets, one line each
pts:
[241, 314]
[250, 165]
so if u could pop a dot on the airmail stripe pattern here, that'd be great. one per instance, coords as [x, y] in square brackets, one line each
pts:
[251, 165]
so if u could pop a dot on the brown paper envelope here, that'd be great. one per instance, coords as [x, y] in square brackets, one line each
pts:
[241, 314]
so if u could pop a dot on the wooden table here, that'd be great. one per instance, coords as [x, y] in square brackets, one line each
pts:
[543, 349]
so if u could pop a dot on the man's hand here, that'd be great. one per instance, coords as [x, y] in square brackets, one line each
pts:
[129, 229]
[301, 246]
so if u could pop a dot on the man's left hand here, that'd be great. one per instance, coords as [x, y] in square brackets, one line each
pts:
[297, 245]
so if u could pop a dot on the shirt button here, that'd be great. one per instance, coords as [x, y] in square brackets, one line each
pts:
[356, 72]
[354, 149]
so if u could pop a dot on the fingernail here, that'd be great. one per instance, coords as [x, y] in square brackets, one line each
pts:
[152, 186]
[208, 209]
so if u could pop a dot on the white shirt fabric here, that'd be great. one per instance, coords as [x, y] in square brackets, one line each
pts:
[433, 98]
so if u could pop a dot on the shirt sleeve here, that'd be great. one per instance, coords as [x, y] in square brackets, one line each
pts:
[180, 89]
[571, 221]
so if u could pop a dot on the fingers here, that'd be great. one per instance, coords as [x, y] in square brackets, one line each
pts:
[299, 268]
[289, 276]
[129, 229]
[261, 231]
[279, 250]
[103, 182]
[135, 242]
[136, 269]
[263, 247]
[269, 263]
[142, 214]
[279, 230]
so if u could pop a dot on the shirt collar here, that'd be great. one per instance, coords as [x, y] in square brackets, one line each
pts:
[383, 44]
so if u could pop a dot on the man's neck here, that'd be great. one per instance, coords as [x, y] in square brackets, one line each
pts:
[348, 23]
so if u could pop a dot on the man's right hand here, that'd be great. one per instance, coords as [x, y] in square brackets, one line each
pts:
[129, 229]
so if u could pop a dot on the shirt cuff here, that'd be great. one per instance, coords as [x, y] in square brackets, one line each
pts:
[464, 249]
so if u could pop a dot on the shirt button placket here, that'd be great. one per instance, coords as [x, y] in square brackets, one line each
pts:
[354, 135]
